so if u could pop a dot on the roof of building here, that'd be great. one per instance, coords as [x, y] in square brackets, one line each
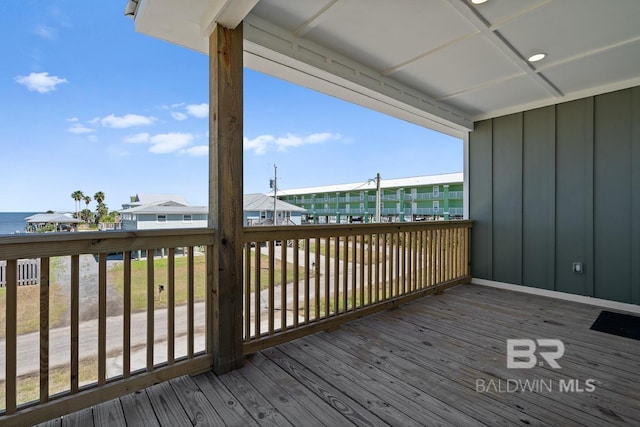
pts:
[447, 178]
[146, 198]
[260, 202]
[166, 207]
[54, 218]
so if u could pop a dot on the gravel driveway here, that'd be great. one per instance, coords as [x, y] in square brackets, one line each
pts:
[88, 287]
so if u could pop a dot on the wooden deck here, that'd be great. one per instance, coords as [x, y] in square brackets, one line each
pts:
[420, 364]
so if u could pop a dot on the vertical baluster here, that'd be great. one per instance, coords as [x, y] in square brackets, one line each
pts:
[256, 290]
[445, 255]
[354, 271]
[369, 281]
[272, 279]
[376, 266]
[307, 279]
[327, 275]
[440, 256]
[102, 319]
[336, 276]
[457, 252]
[424, 258]
[432, 257]
[247, 291]
[171, 305]
[450, 253]
[11, 340]
[283, 285]
[345, 275]
[399, 244]
[75, 310]
[362, 268]
[126, 313]
[150, 307]
[296, 281]
[44, 330]
[385, 260]
[191, 301]
[416, 260]
[316, 275]
[406, 265]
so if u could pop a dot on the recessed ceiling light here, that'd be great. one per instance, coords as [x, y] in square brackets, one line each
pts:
[478, 1]
[537, 57]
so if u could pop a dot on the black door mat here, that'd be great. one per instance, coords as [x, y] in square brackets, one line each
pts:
[623, 325]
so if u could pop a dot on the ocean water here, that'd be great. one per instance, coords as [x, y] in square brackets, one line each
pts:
[10, 222]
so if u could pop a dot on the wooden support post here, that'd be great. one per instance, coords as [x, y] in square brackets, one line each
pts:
[225, 194]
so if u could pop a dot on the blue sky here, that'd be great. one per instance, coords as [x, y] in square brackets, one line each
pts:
[89, 104]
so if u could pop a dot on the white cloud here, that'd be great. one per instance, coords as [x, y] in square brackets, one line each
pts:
[73, 119]
[126, 121]
[258, 144]
[80, 129]
[92, 138]
[197, 151]
[169, 142]
[40, 82]
[178, 115]
[45, 32]
[139, 138]
[200, 111]
[261, 144]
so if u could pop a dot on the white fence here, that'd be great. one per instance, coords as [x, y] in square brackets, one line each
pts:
[28, 272]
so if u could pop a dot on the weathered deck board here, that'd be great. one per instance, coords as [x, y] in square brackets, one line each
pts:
[83, 418]
[138, 408]
[412, 366]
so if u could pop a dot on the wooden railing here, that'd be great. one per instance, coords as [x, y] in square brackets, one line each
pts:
[135, 310]
[140, 304]
[299, 280]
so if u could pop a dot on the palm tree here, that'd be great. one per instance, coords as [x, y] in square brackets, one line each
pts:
[99, 197]
[77, 196]
[87, 200]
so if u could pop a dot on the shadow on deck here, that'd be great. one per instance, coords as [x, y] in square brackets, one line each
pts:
[438, 360]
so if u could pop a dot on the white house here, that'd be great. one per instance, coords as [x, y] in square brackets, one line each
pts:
[258, 210]
[153, 211]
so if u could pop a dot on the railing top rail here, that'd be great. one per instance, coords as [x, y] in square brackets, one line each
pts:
[93, 242]
[258, 234]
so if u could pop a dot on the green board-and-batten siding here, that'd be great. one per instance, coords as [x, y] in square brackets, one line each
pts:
[557, 185]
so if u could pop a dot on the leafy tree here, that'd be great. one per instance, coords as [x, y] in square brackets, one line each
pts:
[86, 215]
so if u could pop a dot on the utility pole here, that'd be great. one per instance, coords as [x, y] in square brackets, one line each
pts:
[378, 197]
[274, 185]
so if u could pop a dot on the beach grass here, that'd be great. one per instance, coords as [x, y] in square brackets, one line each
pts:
[28, 308]
[139, 283]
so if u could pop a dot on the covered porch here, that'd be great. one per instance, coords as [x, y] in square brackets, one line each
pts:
[544, 145]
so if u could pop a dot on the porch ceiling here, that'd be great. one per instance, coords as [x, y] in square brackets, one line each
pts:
[441, 63]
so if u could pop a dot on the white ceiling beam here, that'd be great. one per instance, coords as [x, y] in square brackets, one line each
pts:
[269, 43]
[228, 13]
[502, 44]
[312, 22]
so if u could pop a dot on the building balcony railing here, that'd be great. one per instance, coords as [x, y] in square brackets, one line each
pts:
[151, 293]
